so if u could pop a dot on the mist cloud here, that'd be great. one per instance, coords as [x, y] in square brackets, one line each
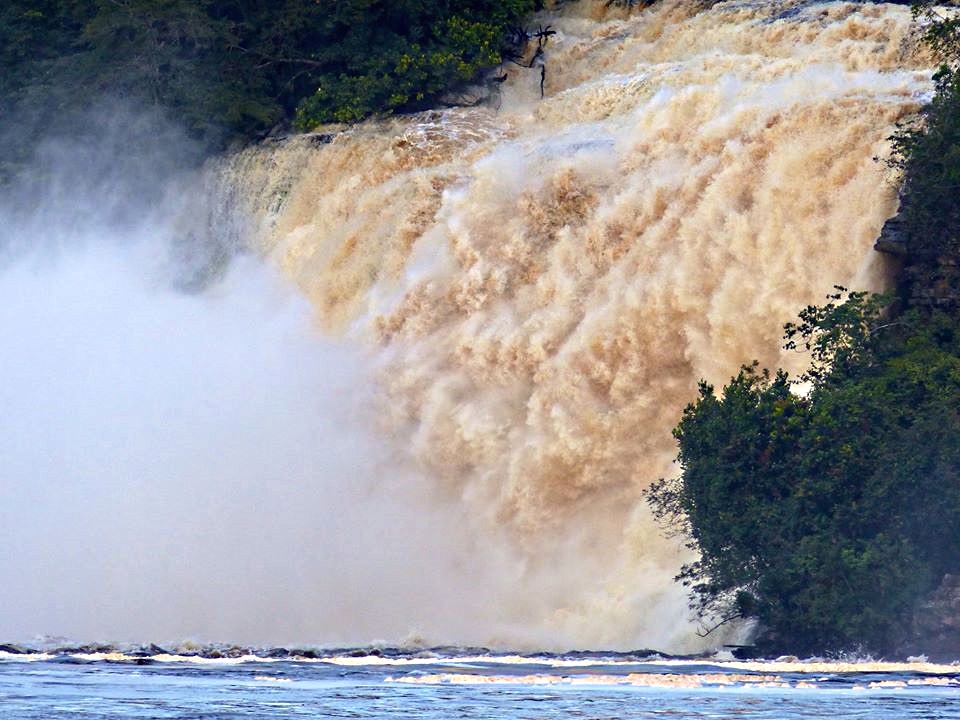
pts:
[192, 464]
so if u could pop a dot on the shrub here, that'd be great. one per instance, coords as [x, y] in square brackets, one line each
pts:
[826, 515]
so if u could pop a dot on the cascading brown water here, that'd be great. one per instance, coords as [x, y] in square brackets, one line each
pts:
[544, 283]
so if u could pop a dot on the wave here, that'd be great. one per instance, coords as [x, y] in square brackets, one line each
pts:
[676, 666]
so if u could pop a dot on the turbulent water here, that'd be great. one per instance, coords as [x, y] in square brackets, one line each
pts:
[438, 685]
[508, 307]
[546, 281]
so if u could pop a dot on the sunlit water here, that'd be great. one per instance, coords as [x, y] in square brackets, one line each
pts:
[479, 686]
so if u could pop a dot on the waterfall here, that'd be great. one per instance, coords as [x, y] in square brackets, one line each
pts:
[545, 282]
[535, 287]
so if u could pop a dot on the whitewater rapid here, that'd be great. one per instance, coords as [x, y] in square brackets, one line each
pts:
[439, 686]
[545, 281]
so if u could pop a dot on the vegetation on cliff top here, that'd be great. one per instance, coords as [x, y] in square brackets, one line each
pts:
[827, 507]
[234, 68]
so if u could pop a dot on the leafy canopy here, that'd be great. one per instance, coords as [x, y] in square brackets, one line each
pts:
[235, 68]
[927, 150]
[825, 514]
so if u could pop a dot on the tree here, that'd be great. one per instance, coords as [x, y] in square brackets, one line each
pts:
[826, 514]
[927, 150]
[402, 56]
[230, 69]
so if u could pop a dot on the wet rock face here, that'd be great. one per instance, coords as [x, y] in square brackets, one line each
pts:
[936, 621]
[925, 279]
[893, 238]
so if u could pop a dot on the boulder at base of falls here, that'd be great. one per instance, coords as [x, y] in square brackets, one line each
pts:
[15, 649]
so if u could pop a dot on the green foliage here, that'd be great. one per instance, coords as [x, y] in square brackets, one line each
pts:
[235, 68]
[928, 150]
[826, 514]
[36, 37]
[392, 58]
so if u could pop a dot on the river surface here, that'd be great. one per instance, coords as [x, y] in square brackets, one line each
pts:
[428, 685]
